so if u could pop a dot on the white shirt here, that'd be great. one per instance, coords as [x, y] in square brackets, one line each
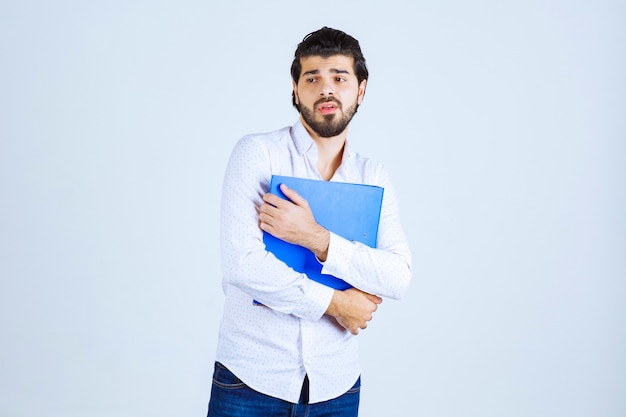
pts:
[272, 347]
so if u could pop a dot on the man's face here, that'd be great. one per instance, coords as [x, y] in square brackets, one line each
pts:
[328, 93]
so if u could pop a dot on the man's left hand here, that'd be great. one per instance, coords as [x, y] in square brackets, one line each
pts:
[293, 222]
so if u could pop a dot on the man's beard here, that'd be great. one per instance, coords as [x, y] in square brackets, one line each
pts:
[331, 125]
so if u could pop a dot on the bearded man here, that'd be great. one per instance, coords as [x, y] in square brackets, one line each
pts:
[288, 345]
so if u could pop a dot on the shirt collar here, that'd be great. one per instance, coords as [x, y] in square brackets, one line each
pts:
[301, 138]
[303, 141]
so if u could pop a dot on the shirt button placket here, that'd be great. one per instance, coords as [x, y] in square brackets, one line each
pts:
[307, 344]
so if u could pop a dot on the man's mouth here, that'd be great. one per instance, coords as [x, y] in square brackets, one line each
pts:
[328, 107]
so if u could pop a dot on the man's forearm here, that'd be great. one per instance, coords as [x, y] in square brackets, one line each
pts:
[353, 308]
[318, 243]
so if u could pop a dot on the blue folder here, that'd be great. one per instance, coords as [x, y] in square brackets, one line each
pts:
[349, 210]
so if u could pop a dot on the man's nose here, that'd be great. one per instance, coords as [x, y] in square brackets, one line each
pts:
[326, 89]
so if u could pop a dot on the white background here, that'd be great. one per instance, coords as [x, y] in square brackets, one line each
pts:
[503, 125]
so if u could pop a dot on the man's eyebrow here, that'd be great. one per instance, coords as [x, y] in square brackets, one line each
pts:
[333, 70]
[311, 72]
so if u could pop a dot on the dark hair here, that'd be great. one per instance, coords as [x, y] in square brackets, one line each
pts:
[327, 42]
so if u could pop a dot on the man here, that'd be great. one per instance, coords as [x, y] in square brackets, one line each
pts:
[297, 353]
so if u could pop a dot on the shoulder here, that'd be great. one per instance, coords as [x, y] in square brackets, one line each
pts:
[258, 147]
[268, 139]
[373, 171]
[253, 157]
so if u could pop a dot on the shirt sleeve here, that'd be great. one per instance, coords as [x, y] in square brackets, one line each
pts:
[385, 270]
[245, 262]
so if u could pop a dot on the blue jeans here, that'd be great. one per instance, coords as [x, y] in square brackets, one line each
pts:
[230, 397]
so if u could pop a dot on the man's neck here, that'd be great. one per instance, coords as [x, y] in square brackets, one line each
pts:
[329, 151]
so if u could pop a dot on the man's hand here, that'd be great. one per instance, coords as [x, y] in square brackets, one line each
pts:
[293, 222]
[353, 308]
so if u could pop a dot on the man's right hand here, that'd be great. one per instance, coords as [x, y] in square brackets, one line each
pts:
[353, 308]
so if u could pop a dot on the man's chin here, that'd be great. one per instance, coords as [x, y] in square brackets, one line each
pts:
[326, 125]
[330, 132]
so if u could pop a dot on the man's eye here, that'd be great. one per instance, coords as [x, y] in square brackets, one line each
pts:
[311, 80]
[340, 80]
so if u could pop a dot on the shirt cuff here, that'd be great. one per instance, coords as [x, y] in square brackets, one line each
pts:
[340, 252]
[316, 302]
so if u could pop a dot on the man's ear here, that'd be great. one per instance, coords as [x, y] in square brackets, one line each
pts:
[295, 91]
[361, 91]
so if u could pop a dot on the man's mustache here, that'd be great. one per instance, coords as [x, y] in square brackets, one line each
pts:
[327, 100]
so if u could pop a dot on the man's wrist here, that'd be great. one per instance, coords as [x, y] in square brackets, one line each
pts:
[333, 307]
[320, 244]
